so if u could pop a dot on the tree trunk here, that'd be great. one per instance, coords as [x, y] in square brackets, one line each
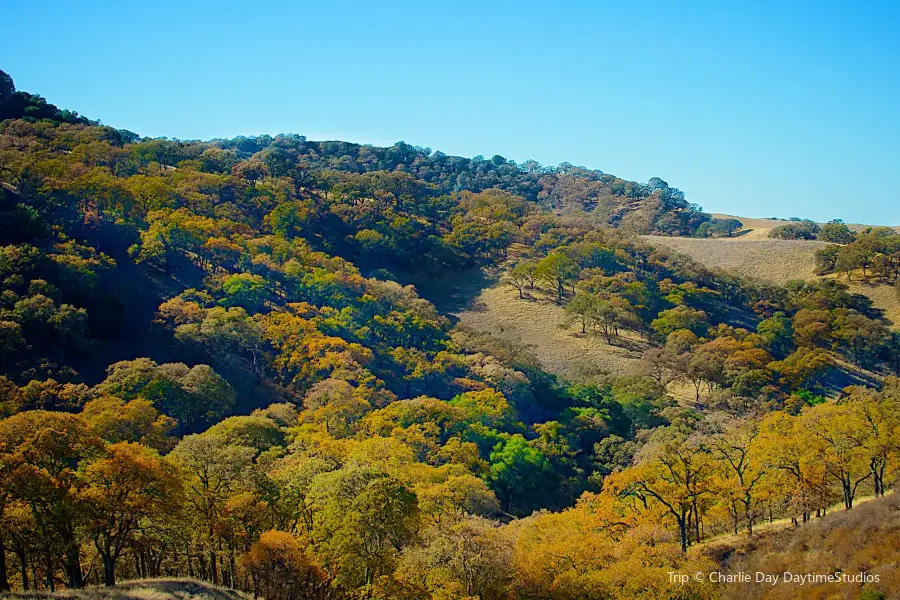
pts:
[73, 567]
[4, 582]
[48, 565]
[682, 530]
[23, 569]
[213, 570]
[109, 570]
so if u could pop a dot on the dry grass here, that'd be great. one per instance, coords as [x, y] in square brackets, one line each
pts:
[726, 542]
[864, 539]
[760, 228]
[482, 303]
[883, 296]
[535, 321]
[143, 589]
[778, 261]
[754, 229]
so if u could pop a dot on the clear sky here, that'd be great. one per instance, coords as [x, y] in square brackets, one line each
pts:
[759, 108]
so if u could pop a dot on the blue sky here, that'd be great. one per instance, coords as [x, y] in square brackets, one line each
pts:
[756, 108]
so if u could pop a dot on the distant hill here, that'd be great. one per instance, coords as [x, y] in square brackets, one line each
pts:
[755, 228]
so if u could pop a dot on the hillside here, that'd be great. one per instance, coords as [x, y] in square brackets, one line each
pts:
[754, 254]
[777, 261]
[328, 371]
[838, 542]
[537, 322]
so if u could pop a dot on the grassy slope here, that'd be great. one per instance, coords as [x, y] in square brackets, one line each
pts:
[756, 255]
[536, 321]
[771, 260]
[864, 539]
[483, 304]
[144, 589]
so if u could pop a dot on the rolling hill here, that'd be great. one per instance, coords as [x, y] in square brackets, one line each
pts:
[224, 359]
[754, 254]
[496, 308]
[838, 542]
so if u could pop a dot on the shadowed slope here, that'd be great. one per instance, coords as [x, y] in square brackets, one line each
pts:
[143, 589]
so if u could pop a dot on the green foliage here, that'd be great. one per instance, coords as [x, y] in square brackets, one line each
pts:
[716, 227]
[681, 317]
[799, 230]
[836, 232]
[521, 475]
[245, 290]
[558, 270]
[362, 517]
[193, 396]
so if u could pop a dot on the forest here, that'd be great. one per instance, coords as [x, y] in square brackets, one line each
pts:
[215, 362]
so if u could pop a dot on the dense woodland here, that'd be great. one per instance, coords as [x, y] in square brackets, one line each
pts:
[214, 365]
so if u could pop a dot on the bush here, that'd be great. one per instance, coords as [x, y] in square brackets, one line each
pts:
[719, 228]
[800, 230]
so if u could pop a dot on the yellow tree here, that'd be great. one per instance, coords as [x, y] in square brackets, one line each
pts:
[842, 435]
[880, 417]
[282, 570]
[793, 457]
[115, 420]
[49, 447]
[880, 414]
[674, 476]
[741, 467]
[468, 557]
[127, 485]
[214, 470]
[601, 549]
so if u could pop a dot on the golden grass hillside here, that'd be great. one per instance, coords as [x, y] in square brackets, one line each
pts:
[754, 254]
[142, 589]
[758, 229]
[754, 229]
[777, 261]
[866, 539]
[535, 321]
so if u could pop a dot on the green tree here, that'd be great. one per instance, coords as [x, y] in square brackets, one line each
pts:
[557, 270]
[581, 310]
[521, 475]
[245, 290]
[193, 395]
[361, 517]
[521, 275]
[681, 317]
[827, 259]
[836, 232]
